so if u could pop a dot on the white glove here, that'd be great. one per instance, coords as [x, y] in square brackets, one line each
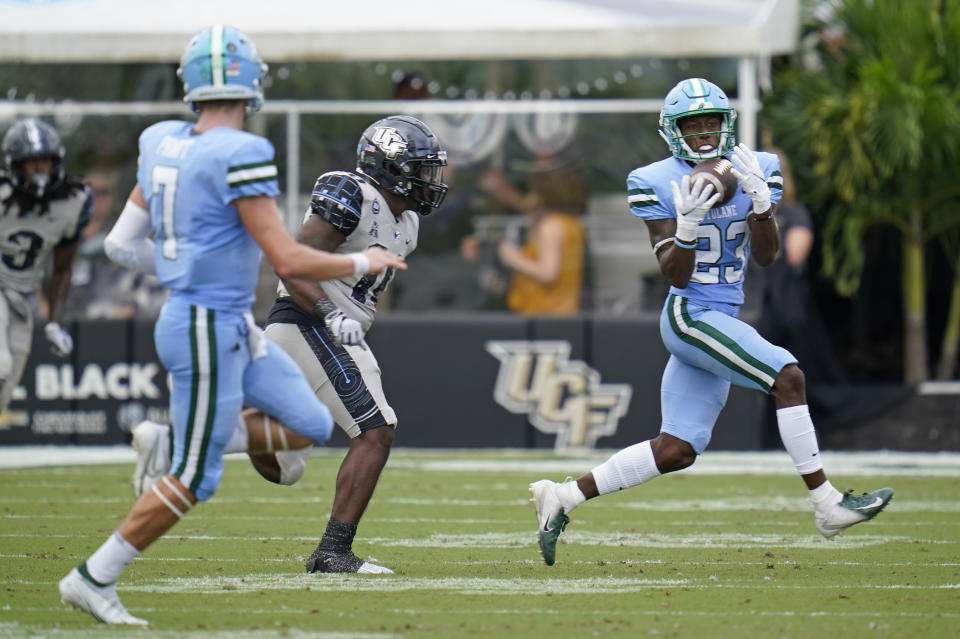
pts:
[256, 340]
[692, 201]
[61, 344]
[344, 329]
[751, 176]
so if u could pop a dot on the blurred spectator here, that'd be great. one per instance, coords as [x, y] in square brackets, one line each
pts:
[548, 269]
[101, 289]
[788, 311]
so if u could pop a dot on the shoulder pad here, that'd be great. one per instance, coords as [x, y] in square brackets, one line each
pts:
[338, 198]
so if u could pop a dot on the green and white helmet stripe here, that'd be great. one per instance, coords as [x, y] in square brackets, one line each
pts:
[217, 77]
[221, 63]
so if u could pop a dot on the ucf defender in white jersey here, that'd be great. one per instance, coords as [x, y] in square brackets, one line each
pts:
[322, 325]
[354, 207]
[42, 213]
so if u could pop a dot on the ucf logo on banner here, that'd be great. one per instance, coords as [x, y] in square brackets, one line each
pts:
[559, 396]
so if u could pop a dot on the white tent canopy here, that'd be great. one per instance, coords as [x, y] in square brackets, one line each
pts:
[289, 30]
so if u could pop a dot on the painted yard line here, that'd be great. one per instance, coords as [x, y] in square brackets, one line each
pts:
[480, 585]
[651, 540]
[771, 504]
[608, 539]
[839, 463]
[16, 630]
[513, 562]
[293, 633]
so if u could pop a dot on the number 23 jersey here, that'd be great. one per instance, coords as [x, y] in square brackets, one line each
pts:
[723, 237]
[356, 209]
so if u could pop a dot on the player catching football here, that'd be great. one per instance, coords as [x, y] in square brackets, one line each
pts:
[703, 252]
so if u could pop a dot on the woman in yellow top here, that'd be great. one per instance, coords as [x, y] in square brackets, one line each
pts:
[548, 269]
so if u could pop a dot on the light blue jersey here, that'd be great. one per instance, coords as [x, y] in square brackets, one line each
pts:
[723, 238]
[210, 262]
[709, 347]
[204, 254]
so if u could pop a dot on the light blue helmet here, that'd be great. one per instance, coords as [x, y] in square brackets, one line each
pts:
[696, 96]
[221, 63]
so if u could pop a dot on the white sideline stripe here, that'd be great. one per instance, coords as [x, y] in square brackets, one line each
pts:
[604, 538]
[769, 504]
[478, 585]
[530, 462]
[652, 540]
[16, 630]
[607, 539]
[537, 562]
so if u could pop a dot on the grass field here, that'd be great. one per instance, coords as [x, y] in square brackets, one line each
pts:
[694, 554]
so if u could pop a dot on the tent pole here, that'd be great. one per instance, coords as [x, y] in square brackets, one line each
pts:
[747, 94]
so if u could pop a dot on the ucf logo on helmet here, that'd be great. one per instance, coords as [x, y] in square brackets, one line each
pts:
[560, 396]
[390, 141]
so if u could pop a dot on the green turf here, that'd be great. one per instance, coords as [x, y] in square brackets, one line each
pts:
[687, 555]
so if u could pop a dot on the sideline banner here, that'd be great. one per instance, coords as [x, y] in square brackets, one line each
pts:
[110, 382]
[455, 381]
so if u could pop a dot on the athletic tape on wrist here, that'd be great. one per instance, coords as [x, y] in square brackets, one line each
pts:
[361, 263]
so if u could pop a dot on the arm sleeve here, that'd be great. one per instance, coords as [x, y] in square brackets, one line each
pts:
[338, 198]
[128, 243]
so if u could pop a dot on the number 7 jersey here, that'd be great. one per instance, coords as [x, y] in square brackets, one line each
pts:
[204, 253]
[723, 237]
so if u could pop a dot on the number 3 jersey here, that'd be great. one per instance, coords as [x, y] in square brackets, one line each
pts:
[723, 237]
[204, 253]
[31, 229]
[356, 209]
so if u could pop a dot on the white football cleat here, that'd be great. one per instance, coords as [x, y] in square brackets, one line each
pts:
[367, 568]
[551, 518]
[152, 443]
[101, 602]
[851, 509]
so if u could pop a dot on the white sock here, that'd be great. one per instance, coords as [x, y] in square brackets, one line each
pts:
[239, 439]
[629, 467]
[106, 564]
[570, 495]
[825, 495]
[799, 438]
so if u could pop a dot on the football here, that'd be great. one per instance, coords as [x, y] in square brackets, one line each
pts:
[718, 173]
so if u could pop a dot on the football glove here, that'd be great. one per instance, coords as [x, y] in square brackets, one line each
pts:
[61, 344]
[748, 171]
[344, 330]
[692, 201]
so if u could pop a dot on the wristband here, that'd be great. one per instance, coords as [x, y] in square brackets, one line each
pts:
[691, 245]
[659, 245]
[361, 263]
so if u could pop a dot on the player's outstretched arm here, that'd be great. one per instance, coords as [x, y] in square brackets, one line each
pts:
[128, 242]
[292, 259]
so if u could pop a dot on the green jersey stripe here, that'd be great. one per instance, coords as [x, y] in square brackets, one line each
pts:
[718, 345]
[643, 197]
[255, 174]
[194, 394]
[211, 401]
